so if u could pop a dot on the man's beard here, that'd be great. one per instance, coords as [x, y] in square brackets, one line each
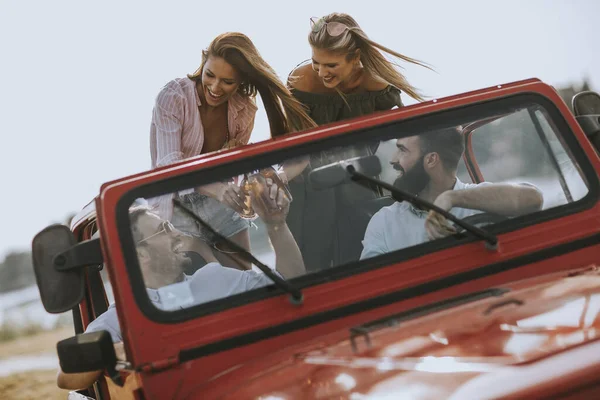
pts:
[183, 260]
[414, 180]
[171, 264]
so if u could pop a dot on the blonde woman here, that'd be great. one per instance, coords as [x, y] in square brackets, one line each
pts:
[212, 109]
[347, 77]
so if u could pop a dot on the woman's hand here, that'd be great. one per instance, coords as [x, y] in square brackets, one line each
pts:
[232, 196]
[269, 201]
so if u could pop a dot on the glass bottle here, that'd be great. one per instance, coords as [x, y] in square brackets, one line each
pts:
[246, 187]
[271, 173]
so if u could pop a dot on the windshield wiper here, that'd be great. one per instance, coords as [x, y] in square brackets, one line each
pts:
[401, 195]
[296, 296]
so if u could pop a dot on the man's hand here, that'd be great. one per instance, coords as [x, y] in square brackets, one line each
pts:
[120, 351]
[269, 201]
[272, 205]
[436, 225]
[83, 380]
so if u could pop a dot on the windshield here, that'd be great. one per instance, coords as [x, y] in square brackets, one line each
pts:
[304, 215]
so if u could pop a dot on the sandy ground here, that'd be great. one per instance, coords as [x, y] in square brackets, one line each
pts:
[31, 385]
[38, 385]
[43, 342]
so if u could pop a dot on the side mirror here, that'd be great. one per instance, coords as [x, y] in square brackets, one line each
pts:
[60, 290]
[89, 352]
[586, 103]
[586, 107]
[334, 174]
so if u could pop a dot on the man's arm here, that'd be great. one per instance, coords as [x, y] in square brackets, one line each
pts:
[272, 205]
[80, 380]
[500, 198]
[83, 380]
[288, 258]
[106, 321]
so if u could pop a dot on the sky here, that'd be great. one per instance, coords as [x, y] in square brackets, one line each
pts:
[78, 79]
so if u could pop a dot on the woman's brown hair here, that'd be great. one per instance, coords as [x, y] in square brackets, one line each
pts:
[285, 113]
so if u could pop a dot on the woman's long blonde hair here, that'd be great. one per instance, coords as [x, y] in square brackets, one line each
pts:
[285, 113]
[371, 58]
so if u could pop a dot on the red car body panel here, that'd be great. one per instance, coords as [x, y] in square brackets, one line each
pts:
[245, 370]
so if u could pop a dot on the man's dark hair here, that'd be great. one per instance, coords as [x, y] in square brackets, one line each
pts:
[448, 143]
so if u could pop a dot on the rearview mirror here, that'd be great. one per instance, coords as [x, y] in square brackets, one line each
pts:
[586, 107]
[334, 174]
[60, 290]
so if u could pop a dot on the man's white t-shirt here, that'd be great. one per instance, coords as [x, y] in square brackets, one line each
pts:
[402, 225]
[211, 282]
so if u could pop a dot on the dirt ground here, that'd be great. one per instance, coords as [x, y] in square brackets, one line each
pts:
[32, 385]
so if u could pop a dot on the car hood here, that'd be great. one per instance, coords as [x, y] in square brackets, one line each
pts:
[436, 355]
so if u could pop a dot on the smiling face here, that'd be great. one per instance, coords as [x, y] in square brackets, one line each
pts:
[160, 251]
[219, 81]
[409, 161]
[333, 69]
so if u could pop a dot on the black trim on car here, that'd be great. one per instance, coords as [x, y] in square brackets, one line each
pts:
[395, 319]
[469, 164]
[385, 131]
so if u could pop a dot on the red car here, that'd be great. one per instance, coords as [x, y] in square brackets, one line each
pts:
[505, 306]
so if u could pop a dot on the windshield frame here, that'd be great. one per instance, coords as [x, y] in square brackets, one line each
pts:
[384, 131]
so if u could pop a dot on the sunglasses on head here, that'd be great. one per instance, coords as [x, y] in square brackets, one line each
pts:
[333, 28]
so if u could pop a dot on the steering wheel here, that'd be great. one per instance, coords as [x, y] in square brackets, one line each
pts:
[482, 219]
